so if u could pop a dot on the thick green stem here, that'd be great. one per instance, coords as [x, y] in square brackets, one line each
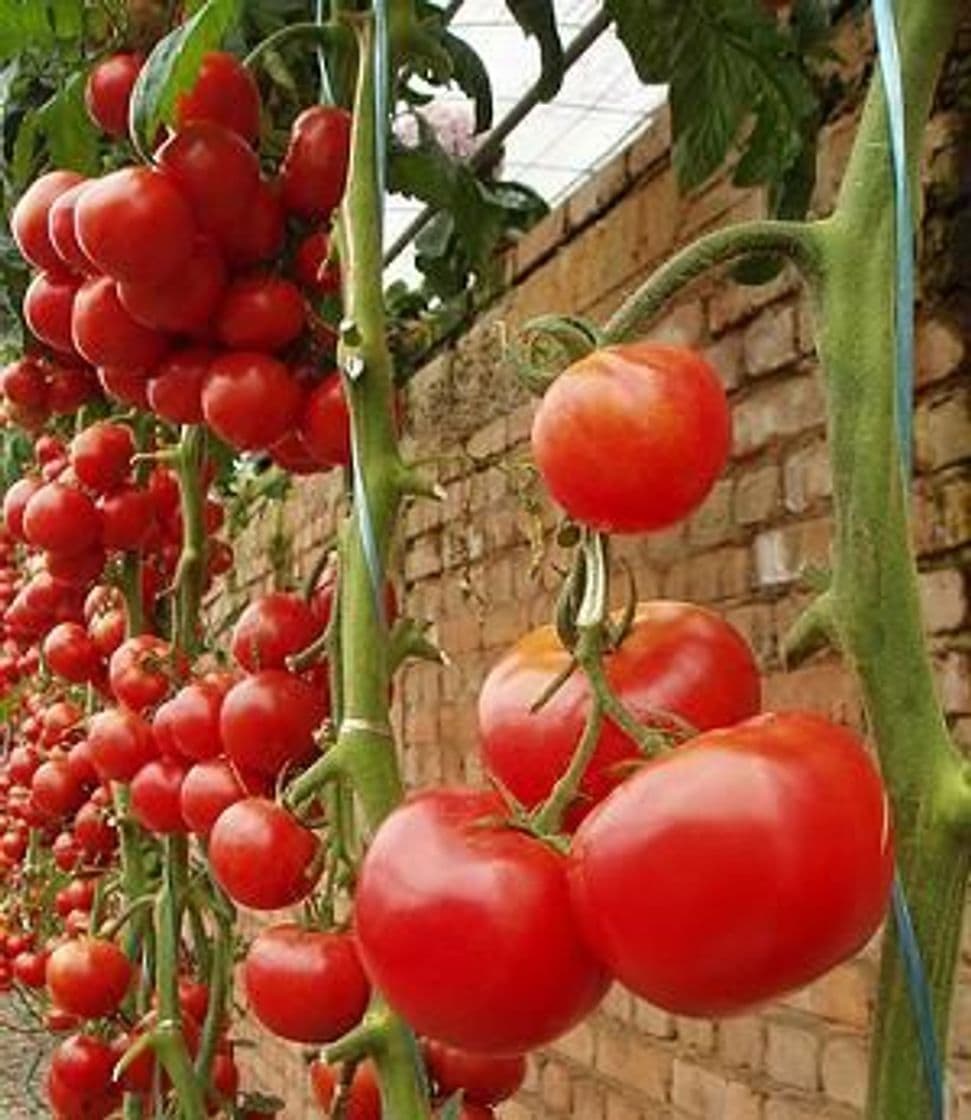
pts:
[874, 593]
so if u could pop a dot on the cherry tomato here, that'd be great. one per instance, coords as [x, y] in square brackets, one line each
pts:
[314, 170]
[659, 410]
[284, 962]
[155, 796]
[28, 222]
[268, 720]
[107, 93]
[224, 92]
[188, 724]
[364, 1099]
[262, 857]
[30, 969]
[482, 1078]
[106, 335]
[48, 309]
[69, 652]
[24, 383]
[135, 225]
[678, 660]
[88, 977]
[464, 926]
[128, 520]
[210, 787]
[260, 313]
[62, 519]
[271, 629]
[250, 399]
[175, 392]
[121, 743]
[183, 303]
[735, 869]
[101, 455]
[142, 670]
[325, 423]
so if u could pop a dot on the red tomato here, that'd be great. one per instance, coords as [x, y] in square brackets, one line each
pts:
[735, 869]
[69, 652]
[107, 630]
[284, 962]
[224, 92]
[482, 1078]
[314, 170]
[66, 851]
[135, 225]
[121, 743]
[364, 1100]
[260, 313]
[217, 171]
[70, 386]
[271, 629]
[313, 264]
[175, 392]
[54, 789]
[128, 520]
[128, 385]
[250, 399]
[325, 424]
[101, 455]
[292, 455]
[79, 569]
[60, 230]
[48, 307]
[59, 518]
[88, 977]
[262, 857]
[188, 724]
[81, 1069]
[155, 796]
[15, 504]
[183, 303]
[659, 410]
[28, 222]
[93, 831]
[106, 335]
[268, 720]
[30, 969]
[210, 787]
[508, 971]
[107, 93]
[678, 659]
[141, 671]
[260, 237]
[23, 383]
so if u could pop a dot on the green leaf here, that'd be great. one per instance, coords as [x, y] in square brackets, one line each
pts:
[537, 18]
[72, 139]
[173, 66]
[471, 76]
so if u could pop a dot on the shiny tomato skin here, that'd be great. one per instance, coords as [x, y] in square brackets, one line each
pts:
[260, 238]
[183, 303]
[509, 971]
[260, 313]
[261, 856]
[70, 652]
[128, 519]
[62, 234]
[658, 410]
[250, 399]
[83, 1064]
[142, 670]
[30, 969]
[48, 309]
[106, 335]
[135, 225]
[175, 391]
[155, 793]
[313, 264]
[88, 977]
[364, 1100]
[226, 93]
[15, 502]
[188, 724]
[268, 720]
[121, 743]
[101, 455]
[272, 628]
[737, 868]
[678, 658]
[62, 519]
[285, 962]
[54, 790]
[325, 424]
[484, 1079]
[28, 222]
[216, 170]
[314, 170]
[107, 93]
[210, 787]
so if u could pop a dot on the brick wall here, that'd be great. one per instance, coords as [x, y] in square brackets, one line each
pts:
[480, 563]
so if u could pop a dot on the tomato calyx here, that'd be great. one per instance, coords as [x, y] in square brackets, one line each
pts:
[550, 344]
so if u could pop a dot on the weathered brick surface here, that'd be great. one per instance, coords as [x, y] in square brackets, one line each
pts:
[467, 562]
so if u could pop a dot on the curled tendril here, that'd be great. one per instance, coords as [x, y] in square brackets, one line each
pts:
[548, 345]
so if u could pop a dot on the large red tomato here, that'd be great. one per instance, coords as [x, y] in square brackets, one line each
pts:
[314, 169]
[28, 222]
[678, 658]
[60, 518]
[464, 925]
[737, 868]
[631, 438]
[285, 962]
[88, 977]
[250, 399]
[262, 856]
[135, 225]
[268, 721]
[226, 93]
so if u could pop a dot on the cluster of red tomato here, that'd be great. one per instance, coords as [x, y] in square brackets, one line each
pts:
[185, 284]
